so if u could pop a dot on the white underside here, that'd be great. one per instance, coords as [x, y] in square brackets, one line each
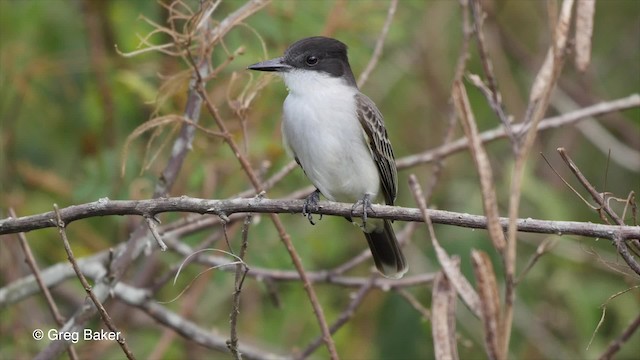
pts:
[321, 129]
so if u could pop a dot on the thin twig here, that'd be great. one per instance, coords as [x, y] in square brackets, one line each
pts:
[631, 101]
[241, 273]
[539, 96]
[135, 246]
[95, 266]
[623, 250]
[85, 284]
[483, 166]
[31, 261]
[566, 183]
[152, 223]
[33, 265]
[415, 303]
[342, 319]
[186, 328]
[449, 266]
[377, 52]
[542, 249]
[617, 343]
[621, 244]
[284, 236]
[461, 65]
[604, 311]
[491, 91]
[595, 195]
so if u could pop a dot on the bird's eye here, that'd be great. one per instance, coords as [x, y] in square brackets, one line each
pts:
[311, 60]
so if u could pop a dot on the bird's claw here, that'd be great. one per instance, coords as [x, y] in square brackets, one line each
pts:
[311, 204]
[366, 206]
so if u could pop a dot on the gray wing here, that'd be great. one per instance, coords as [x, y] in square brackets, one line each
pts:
[373, 124]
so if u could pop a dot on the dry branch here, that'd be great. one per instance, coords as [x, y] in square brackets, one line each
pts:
[629, 102]
[140, 299]
[450, 265]
[539, 96]
[101, 266]
[85, 284]
[106, 207]
[181, 146]
[443, 322]
[490, 303]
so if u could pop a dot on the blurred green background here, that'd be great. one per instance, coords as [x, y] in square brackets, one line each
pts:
[68, 101]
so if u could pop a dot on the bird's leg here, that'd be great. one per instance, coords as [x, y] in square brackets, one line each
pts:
[366, 205]
[311, 204]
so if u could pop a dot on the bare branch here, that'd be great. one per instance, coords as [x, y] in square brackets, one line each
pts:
[95, 267]
[601, 200]
[343, 318]
[377, 52]
[585, 11]
[539, 96]
[631, 101]
[140, 299]
[542, 249]
[443, 323]
[483, 166]
[85, 284]
[152, 223]
[33, 265]
[241, 273]
[284, 236]
[491, 91]
[487, 287]
[181, 146]
[617, 343]
[449, 265]
[595, 195]
[107, 207]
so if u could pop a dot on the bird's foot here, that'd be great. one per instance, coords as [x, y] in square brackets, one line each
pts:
[311, 204]
[366, 206]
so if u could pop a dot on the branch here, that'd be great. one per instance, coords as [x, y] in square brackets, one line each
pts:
[377, 52]
[344, 317]
[631, 101]
[106, 318]
[602, 202]
[189, 330]
[284, 236]
[617, 343]
[95, 267]
[180, 149]
[106, 207]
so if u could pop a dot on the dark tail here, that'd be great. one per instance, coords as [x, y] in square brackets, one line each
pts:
[386, 252]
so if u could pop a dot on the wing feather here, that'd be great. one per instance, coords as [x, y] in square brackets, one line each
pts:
[372, 122]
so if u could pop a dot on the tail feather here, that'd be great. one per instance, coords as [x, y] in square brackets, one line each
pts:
[386, 252]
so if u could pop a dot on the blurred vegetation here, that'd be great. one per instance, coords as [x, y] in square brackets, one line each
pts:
[68, 101]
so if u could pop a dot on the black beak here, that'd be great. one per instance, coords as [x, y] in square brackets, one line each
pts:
[276, 64]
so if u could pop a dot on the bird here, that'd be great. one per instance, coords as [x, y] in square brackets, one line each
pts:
[338, 137]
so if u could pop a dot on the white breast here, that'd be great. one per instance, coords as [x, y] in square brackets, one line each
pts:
[321, 130]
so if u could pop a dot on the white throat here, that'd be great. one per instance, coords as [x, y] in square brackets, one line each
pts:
[301, 82]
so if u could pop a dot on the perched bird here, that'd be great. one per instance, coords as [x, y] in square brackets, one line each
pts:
[337, 135]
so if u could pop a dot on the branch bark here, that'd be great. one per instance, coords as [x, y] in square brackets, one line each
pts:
[106, 207]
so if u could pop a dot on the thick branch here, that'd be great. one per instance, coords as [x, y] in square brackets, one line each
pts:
[104, 207]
